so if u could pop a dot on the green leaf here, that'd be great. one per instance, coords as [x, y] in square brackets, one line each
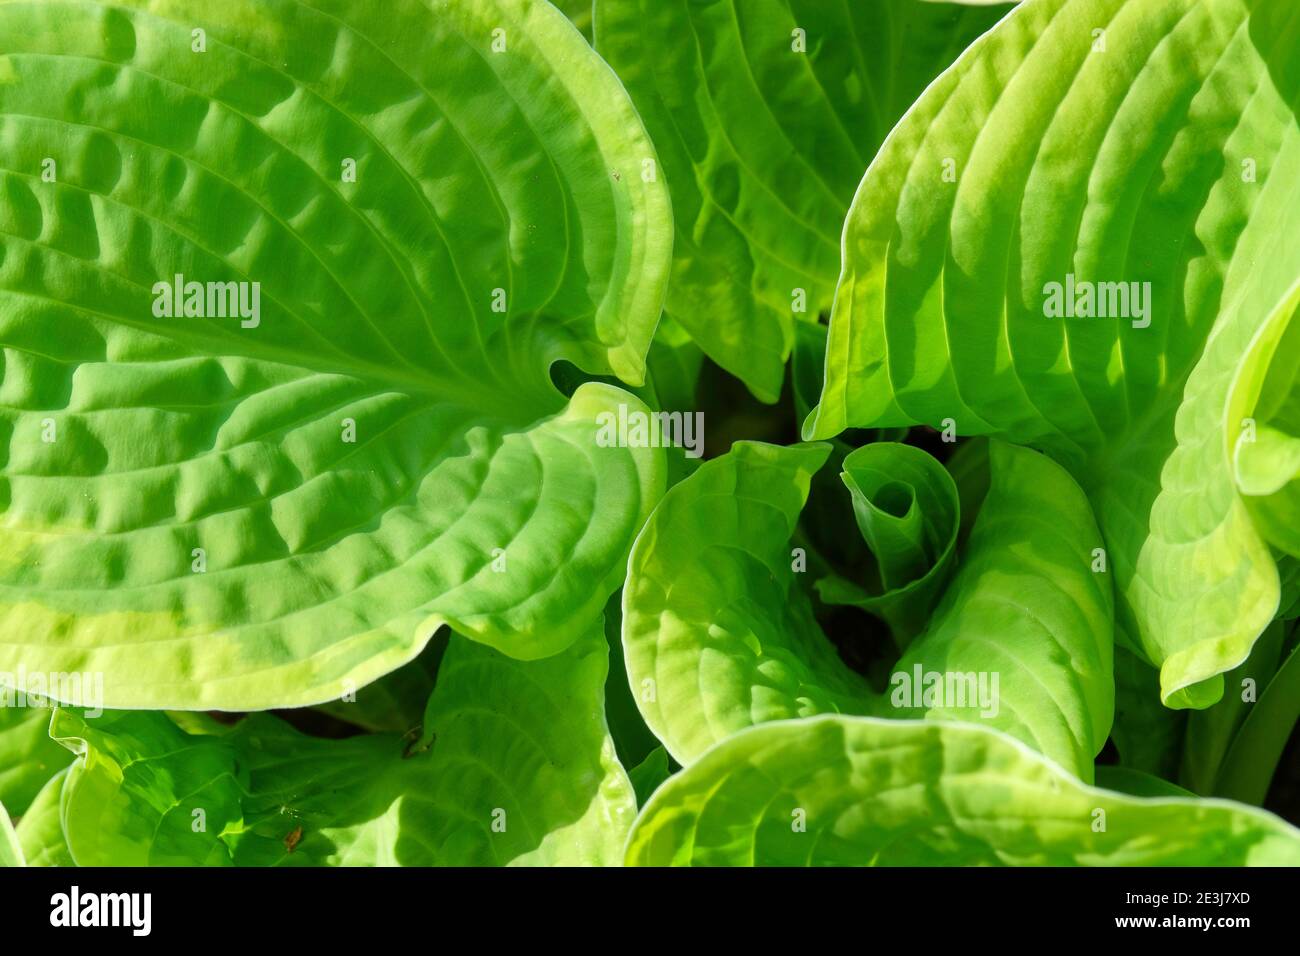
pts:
[28, 757]
[649, 774]
[718, 630]
[515, 767]
[1249, 765]
[719, 633]
[765, 117]
[806, 366]
[11, 853]
[1024, 633]
[837, 790]
[1146, 733]
[40, 831]
[969, 467]
[907, 508]
[1289, 571]
[184, 510]
[889, 516]
[1210, 732]
[1137, 142]
[1268, 446]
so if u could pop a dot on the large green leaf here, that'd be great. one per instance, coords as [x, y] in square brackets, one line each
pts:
[765, 114]
[719, 633]
[860, 791]
[718, 630]
[1028, 609]
[1149, 141]
[496, 224]
[515, 767]
[28, 757]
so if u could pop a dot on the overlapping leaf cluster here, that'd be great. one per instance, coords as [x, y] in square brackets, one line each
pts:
[479, 229]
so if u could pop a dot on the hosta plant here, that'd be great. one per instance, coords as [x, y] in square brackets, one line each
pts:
[720, 432]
